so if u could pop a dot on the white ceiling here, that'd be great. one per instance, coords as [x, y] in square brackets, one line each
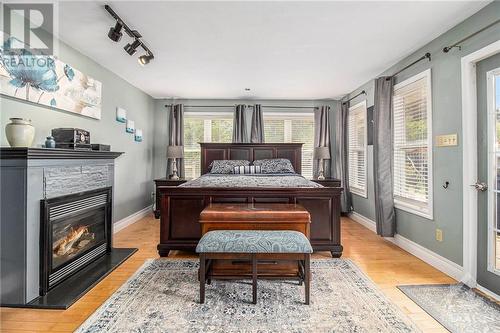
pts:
[281, 50]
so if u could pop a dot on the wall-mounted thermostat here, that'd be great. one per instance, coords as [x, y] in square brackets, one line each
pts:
[447, 140]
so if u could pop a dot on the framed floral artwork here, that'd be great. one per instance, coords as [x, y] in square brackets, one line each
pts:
[48, 81]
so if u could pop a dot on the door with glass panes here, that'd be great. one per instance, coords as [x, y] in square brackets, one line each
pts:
[488, 182]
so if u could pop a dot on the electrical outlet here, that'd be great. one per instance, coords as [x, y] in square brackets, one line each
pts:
[439, 235]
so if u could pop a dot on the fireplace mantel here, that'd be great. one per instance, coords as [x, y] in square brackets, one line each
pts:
[55, 153]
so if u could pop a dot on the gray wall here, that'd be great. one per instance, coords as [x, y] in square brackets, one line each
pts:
[161, 120]
[446, 118]
[133, 172]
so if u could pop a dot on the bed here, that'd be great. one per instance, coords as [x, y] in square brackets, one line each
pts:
[278, 180]
[180, 206]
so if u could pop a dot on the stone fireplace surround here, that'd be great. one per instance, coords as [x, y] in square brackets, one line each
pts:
[29, 177]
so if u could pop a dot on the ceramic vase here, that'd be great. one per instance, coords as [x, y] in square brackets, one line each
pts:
[20, 132]
[50, 142]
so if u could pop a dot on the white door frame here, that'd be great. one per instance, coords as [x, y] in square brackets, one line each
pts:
[469, 159]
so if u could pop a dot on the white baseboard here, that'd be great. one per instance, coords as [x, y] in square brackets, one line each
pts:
[364, 221]
[488, 292]
[441, 263]
[131, 219]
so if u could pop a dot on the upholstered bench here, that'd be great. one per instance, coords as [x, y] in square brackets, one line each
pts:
[253, 245]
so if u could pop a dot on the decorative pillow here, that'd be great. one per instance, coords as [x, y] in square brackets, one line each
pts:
[226, 166]
[275, 165]
[247, 169]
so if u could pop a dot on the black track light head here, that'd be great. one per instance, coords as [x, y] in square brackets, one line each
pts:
[132, 48]
[115, 33]
[136, 34]
[145, 59]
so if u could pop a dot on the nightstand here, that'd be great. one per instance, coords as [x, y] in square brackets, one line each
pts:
[164, 182]
[328, 182]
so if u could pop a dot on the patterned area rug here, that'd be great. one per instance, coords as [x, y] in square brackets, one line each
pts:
[456, 307]
[163, 297]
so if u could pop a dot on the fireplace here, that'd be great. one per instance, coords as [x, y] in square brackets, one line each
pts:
[75, 231]
[56, 226]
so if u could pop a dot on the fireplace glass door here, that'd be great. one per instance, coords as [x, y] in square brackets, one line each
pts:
[76, 230]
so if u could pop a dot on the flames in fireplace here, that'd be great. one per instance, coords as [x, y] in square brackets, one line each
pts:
[74, 240]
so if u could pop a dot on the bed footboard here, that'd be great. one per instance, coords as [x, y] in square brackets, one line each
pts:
[180, 209]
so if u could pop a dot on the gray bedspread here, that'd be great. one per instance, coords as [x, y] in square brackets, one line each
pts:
[251, 180]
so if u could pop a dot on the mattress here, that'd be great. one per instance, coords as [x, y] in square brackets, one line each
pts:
[290, 180]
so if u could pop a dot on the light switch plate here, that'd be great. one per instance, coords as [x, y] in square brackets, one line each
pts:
[447, 140]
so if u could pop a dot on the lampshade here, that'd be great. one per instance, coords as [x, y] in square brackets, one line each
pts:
[321, 153]
[175, 151]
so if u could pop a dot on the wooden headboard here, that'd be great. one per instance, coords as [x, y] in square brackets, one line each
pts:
[250, 152]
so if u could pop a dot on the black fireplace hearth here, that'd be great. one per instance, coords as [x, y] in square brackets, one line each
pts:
[64, 294]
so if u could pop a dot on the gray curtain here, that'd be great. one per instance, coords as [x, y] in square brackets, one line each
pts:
[382, 157]
[239, 124]
[176, 136]
[341, 161]
[257, 133]
[322, 138]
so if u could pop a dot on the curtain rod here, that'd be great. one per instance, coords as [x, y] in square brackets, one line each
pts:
[350, 99]
[457, 44]
[425, 56]
[247, 105]
[287, 107]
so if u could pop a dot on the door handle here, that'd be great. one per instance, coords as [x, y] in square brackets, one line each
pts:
[480, 186]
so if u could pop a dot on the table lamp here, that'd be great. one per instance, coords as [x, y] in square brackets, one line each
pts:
[175, 152]
[321, 153]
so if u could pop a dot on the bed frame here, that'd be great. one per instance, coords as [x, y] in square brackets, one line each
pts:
[180, 207]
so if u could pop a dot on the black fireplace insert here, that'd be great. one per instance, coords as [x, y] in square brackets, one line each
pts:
[75, 231]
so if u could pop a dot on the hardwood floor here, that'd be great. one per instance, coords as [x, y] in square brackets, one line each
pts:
[385, 263]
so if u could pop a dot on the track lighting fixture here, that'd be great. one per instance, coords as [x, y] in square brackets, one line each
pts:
[145, 59]
[131, 48]
[115, 34]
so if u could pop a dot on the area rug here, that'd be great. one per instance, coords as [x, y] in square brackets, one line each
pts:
[163, 296]
[456, 307]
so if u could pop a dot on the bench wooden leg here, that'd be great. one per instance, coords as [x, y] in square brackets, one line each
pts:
[301, 271]
[208, 267]
[202, 278]
[307, 278]
[254, 278]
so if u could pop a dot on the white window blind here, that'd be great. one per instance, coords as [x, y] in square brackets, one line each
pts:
[413, 145]
[357, 132]
[203, 127]
[292, 127]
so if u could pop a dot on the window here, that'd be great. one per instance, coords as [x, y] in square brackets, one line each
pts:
[413, 145]
[493, 162]
[292, 127]
[356, 152]
[203, 127]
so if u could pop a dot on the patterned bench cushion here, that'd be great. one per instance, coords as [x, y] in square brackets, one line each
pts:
[254, 241]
